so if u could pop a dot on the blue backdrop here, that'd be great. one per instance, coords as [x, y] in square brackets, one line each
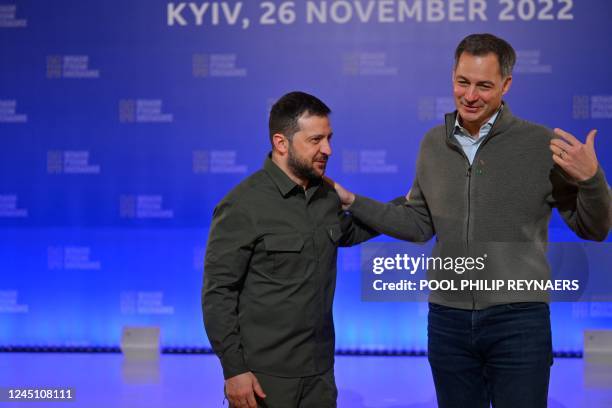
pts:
[122, 123]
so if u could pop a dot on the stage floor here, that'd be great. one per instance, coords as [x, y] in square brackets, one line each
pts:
[185, 381]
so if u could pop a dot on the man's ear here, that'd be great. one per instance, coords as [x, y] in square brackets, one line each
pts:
[506, 84]
[280, 143]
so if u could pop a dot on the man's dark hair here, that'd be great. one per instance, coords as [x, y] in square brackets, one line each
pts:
[483, 44]
[288, 109]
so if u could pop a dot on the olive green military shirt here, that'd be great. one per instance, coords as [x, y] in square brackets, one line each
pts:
[270, 275]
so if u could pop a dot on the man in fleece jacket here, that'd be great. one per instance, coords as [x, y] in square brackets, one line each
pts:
[486, 183]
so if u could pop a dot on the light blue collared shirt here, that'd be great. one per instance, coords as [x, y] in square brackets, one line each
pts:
[468, 143]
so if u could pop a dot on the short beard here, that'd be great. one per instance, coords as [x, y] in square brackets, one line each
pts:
[299, 167]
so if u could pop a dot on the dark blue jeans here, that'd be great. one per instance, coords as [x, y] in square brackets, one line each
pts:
[500, 355]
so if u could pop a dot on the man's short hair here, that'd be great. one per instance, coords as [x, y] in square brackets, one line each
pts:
[288, 109]
[483, 44]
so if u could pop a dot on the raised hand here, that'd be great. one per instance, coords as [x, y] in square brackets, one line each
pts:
[346, 197]
[577, 159]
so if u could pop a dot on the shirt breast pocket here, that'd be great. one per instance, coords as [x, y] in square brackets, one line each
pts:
[287, 250]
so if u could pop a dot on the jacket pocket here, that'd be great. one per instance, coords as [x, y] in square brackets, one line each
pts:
[286, 249]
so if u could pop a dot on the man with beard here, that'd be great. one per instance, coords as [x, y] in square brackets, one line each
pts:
[270, 268]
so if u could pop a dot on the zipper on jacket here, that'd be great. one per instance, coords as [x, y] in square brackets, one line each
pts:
[468, 174]
[452, 142]
[467, 221]
[469, 197]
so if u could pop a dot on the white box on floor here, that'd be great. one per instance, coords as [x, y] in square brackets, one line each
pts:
[140, 343]
[598, 346]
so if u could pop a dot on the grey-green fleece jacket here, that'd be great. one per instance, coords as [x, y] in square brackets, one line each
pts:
[500, 205]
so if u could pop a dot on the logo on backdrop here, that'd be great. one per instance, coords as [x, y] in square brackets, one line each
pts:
[9, 302]
[70, 66]
[8, 17]
[71, 258]
[144, 303]
[217, 65]
[9, 207]
[143, 206]
[592, 107]
[8, 112]
[592, 310]
[435, 107]
[143, 111]
[367, 64]
[70, 162]
[217, 162]
[529, 62]
[367, 161]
